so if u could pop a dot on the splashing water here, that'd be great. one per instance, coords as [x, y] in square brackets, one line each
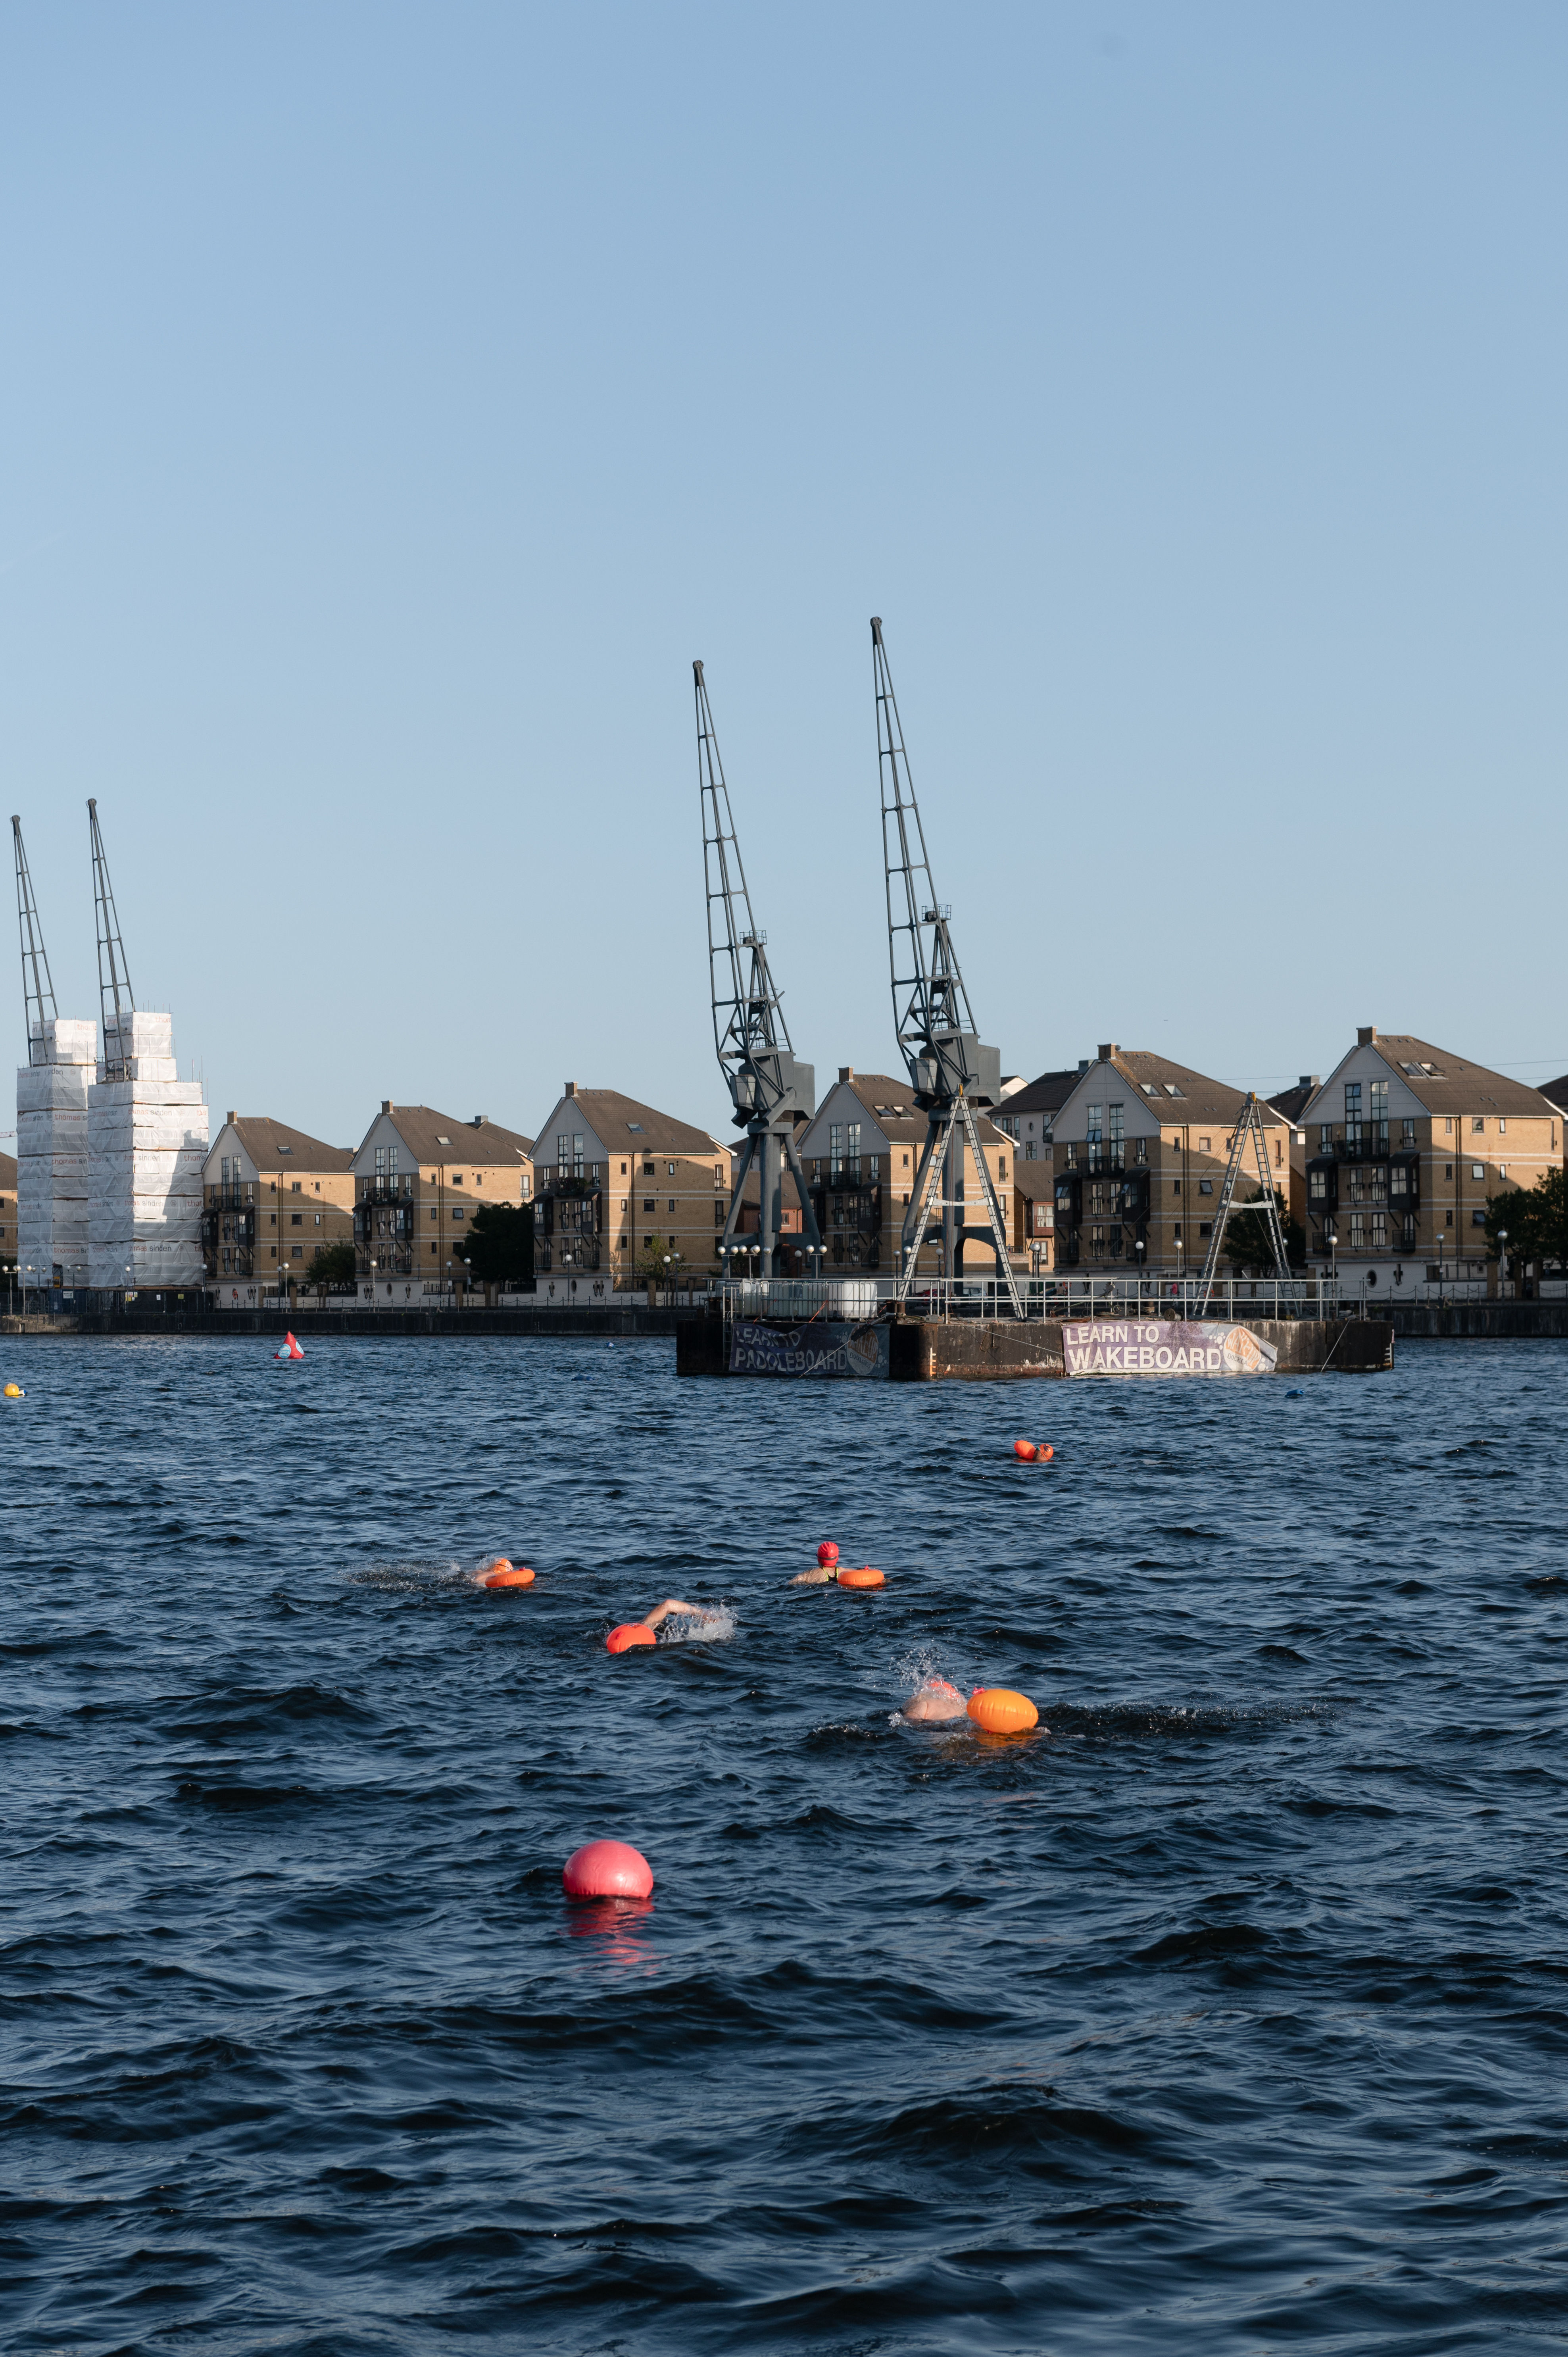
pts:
[714, 1625]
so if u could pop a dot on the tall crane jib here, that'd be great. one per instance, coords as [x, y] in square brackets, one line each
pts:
[951, 1072]
[770, 1088]
[37, 989]
[114, 992]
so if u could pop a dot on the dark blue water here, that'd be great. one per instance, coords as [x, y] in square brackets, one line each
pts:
[1227, 2015]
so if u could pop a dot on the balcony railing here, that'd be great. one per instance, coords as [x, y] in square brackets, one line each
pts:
[229, 1194]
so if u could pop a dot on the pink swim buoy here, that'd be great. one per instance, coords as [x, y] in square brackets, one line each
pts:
[607, 1870]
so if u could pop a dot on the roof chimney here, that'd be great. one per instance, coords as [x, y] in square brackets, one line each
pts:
[1367, 1037]
[1083, 1063]
[230, 1118]
[569, 1088]
[1310, 1081]
[1108, 1049]
[478, 1121]
[386, 1104]
[846, 1072]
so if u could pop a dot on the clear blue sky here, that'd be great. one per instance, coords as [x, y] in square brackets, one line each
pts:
[397, 398]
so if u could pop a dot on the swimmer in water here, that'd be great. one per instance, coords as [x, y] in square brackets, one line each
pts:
[703, 1619]
[933, 1703]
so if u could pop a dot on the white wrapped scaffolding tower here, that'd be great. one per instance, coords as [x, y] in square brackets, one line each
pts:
[146, 1131]
[52, 1112]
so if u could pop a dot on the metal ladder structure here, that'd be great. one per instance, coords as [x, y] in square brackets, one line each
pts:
[950, 1072]
[38, 987]
[113, 974]
[769, 1087]
[1249, 1131]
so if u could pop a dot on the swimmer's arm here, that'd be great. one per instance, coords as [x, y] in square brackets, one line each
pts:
[670, 1604]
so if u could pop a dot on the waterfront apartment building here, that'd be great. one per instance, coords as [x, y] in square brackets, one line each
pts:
[861, 1150]
[624, 1192]
[1028, 1112]
[419, 1178]
[1290, 1105]
[1138, 1151]
[271, 1197]
[1406, 1143]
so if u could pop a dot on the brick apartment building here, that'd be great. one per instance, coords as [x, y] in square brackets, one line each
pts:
[419, 1178]
[621, 1186]
[271, 1197]
[1406, 1143]
[1138, 1150]
[861, 1151]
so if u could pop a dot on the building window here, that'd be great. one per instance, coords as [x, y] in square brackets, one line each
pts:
[1352, 1100]
[1449, 1128]
[1176, 1231]
[1379, 1099]
[1358, 1231]
[380, 1162]
[1176, 1186]
[1478, 1125]
[296, 1219]
[1448, 1220]
[672, 1202]
[1206, 1186]
[648, 1202]
[835, 1149]
[297, 1251]
[1478, 1219]
[1140, 1150]
[672, 1168]
[876, 1166]
[1205, 1146]
[318, 1219]
[1206, 1227]
[1502, 1170]
[1379, 1231]
[295, 1186]
[853, 1150]
[718, 1215]
[1407, 1129]
[1118, 1128]
[1502, 1129]
[457, 1215]
[1477, 1169]
[1002, 1166]
[456, 1177]
[648, 1170]
[1071, 1162]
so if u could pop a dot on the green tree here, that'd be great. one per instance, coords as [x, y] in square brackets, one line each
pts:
[1248, 1244]
[649, 1264]
[498, 1243]
[1536, 1219]
[329, 1264]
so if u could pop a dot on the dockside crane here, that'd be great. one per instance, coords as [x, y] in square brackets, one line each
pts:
[38, 988]
[769, 1087]
[114, 992]
[950, 1072]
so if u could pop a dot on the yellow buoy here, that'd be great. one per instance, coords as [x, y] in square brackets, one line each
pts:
[14, 1391]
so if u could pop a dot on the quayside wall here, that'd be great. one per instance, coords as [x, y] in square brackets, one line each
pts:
[244, 1325]
[999, 1349]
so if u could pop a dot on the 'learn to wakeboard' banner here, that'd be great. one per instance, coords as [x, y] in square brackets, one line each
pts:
[1149, 1346]
[817, 1349]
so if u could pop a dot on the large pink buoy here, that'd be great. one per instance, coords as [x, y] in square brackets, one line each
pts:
[607, 1870]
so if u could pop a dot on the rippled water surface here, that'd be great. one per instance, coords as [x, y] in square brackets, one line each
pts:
[1228, 2015]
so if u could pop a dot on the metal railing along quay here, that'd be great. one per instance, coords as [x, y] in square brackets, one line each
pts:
[1071, 1297]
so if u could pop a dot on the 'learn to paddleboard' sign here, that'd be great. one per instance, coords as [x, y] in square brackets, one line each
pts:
[819, 1348]
[1149, 1346]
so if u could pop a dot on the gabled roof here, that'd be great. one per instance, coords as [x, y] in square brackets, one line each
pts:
[1046, 1094]
[1293, 1102]
[618, 1121]
[898, 1115]
[1034, 1178]
[1175, 1092]
[441, 1137]
[1556, 1092]
[1447, 1083]
[272, 1143]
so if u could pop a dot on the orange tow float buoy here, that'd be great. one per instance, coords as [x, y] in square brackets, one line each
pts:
[502, 1574]
[1001, 1711]
[1034, 1452]
[630, 1632]
[864, 1577]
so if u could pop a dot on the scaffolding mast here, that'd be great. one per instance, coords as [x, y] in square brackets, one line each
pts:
[38, 987]
[114, 992]
[1249, 1132]
[768, 1086]
[949, 1071]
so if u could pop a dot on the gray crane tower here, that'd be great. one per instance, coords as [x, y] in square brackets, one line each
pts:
[768, 1086]
[37, 989]
[949, 1071]
[115, 997]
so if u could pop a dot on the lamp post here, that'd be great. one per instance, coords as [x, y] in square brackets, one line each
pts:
[1140, 1247]
[1502, 1258]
